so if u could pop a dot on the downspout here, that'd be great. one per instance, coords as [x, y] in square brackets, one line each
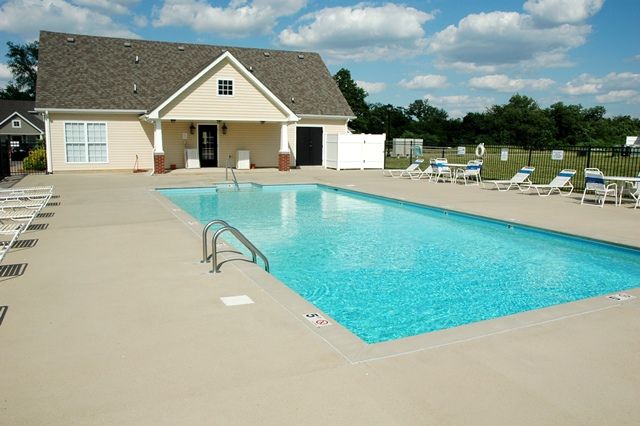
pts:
[47, 141]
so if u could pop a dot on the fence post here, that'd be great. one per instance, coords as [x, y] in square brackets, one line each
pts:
[529, 160]
[442, 156]
[588, 156]
[410, 151]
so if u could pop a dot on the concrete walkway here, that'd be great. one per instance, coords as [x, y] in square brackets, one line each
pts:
[114, 321]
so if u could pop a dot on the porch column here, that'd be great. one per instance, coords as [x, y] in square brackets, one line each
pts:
[47, 140]
[158, 151]
[284, 155]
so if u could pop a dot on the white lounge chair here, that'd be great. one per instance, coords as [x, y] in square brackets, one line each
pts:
[10, 236]
[413, 167]
[560, 182]
[422, 174]
[594, 181]
[520, 180]
[441, 170]
[470, 172]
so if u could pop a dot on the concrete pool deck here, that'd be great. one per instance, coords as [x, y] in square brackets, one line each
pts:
[115, 321]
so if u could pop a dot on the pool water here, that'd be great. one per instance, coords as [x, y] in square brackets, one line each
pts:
[386, 269]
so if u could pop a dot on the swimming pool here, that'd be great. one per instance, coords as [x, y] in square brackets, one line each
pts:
[386, 269]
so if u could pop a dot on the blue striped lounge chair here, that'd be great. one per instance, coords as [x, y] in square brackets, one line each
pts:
[520, 180]
[413, 167]
[560, 182]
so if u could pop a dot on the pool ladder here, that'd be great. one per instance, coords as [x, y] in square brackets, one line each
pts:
[233, 174]
[215, 266]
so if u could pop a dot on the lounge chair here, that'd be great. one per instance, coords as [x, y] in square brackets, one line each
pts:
[594, 181]
[520, 180]
[426, 173]
[9, 237]
[471, 171]
[413, 167]
[441, 170]
[560, 182]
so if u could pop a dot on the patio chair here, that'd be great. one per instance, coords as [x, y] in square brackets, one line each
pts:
[420, 174]
[594, 181]
[560, 182]
[17, 215]
[471, 171]
[9, 237]
[441, 170]
[33, 193]
[413, 167]
[520, 180]
[634, 190]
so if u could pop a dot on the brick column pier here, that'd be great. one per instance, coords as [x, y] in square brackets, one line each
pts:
[158, 163]
[284, 161]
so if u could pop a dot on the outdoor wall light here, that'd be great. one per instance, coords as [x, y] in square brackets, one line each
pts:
[192, 129]
[224, 128]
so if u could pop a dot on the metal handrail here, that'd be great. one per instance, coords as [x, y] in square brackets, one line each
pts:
[226, 173]
[255, 253]
[205, 254]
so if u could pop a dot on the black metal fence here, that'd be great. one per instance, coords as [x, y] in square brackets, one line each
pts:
[502, 162]
[22, 157]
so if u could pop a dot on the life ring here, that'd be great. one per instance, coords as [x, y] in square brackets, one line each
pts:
[480, 150]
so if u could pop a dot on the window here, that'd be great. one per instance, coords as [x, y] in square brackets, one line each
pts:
[225, 87]
[16, 124]
[85, 142]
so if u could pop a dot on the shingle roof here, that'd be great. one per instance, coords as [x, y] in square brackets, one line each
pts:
[99, 73]
[8, 108]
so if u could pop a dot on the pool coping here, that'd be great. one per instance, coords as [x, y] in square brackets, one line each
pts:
[356, 351]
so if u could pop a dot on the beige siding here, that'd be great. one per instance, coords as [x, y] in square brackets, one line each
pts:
[173, 143]
[201, 101]
[263, 140]
[127, 136]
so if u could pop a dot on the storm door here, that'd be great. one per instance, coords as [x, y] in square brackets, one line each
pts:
[208, 145]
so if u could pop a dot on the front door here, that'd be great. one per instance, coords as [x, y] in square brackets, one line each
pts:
[208, 145]
[309, 146]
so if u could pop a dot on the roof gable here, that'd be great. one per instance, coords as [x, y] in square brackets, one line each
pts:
[226, 58]
[100, 72]
[9, 108]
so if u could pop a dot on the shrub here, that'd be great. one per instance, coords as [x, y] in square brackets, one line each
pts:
[36, 160]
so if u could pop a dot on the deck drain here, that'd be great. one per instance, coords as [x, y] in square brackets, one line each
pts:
[3, 312]
[38, 226]
[15, 270]
[620, 297]
[236, 300]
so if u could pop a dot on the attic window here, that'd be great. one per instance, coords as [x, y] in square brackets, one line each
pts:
[225, 87]
[300, 56]
[16, 124]
[181, 48]
[267, 54]
[71, 40]
[127, 44]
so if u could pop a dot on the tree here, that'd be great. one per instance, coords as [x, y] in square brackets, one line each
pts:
[521, 122]
[428, 122]
[355, 97]
[23, 63]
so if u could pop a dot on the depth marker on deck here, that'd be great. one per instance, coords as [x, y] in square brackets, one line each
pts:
[317, 320]
[620, 297]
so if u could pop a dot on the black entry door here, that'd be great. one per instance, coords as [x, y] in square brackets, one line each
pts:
[208, 145]
[309, 146]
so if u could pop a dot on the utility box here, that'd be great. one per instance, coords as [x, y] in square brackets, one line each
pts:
[243, 160]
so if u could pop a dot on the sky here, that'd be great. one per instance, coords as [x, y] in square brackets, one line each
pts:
[461, 55]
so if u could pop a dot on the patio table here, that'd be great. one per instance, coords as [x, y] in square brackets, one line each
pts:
[620, 181]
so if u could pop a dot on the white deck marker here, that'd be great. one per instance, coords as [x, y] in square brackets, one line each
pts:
[317, 320]
[237, 300]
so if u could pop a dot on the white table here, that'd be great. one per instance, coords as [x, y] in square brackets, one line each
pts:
[619, 181]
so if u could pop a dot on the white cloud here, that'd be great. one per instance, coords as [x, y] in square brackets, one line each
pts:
[140, 21]
[502, 83]
[563, 11]
[119, 7]
[371, 87]
[427, 81]
[56, 15]
[360, 32]
[459, 105]
[5, 75]
[586, 84]
[238, 19]
[628, 96]
[489, 41]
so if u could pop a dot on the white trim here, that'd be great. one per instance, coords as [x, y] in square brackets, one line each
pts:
[16, 121]
[331, 117]
[64, 141]
[94, 111]
[194, 118]
[217, 142]
[47, 141]
[9, 117]
[233, 87]
[240, 68]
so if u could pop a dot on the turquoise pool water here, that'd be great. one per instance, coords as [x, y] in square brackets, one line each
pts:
[386, 269]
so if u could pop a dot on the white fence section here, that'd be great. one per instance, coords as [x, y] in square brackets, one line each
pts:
[354, 151]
